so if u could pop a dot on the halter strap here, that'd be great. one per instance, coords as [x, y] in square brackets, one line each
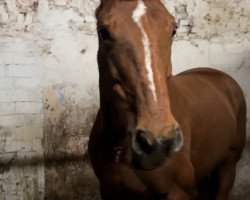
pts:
[118, 153]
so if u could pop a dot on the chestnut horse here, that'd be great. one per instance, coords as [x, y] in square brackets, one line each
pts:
[159, 136]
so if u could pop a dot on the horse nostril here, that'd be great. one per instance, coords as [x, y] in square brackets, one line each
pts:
[144, 142]
[168, 144]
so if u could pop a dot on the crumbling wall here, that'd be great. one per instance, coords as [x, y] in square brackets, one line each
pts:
[21, 132]
[49, 86]
[68, 121]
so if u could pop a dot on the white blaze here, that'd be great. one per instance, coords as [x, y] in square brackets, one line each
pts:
[139, 11]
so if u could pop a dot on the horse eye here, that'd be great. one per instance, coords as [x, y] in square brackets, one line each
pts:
[104, 34]
[174, 31]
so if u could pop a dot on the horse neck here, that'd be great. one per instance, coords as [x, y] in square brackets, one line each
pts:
[113, 127]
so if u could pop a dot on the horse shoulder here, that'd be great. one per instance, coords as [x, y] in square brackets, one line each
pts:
[206, 103]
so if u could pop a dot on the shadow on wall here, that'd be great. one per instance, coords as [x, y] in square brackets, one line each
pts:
[70, 179]
[241, 189]
[68, 119]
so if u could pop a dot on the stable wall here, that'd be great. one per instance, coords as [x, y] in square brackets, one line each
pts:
[49, 86]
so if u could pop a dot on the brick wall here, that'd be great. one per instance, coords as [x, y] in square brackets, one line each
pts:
[21, 169]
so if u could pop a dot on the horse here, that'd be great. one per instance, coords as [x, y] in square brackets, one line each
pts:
[159, 136]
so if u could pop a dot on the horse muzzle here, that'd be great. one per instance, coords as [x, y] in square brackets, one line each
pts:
[150, 153]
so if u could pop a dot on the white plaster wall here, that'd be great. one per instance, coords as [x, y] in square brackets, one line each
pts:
[48, 61]
[21, 173]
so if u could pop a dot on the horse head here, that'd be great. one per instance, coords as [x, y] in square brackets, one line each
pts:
[134, 57]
